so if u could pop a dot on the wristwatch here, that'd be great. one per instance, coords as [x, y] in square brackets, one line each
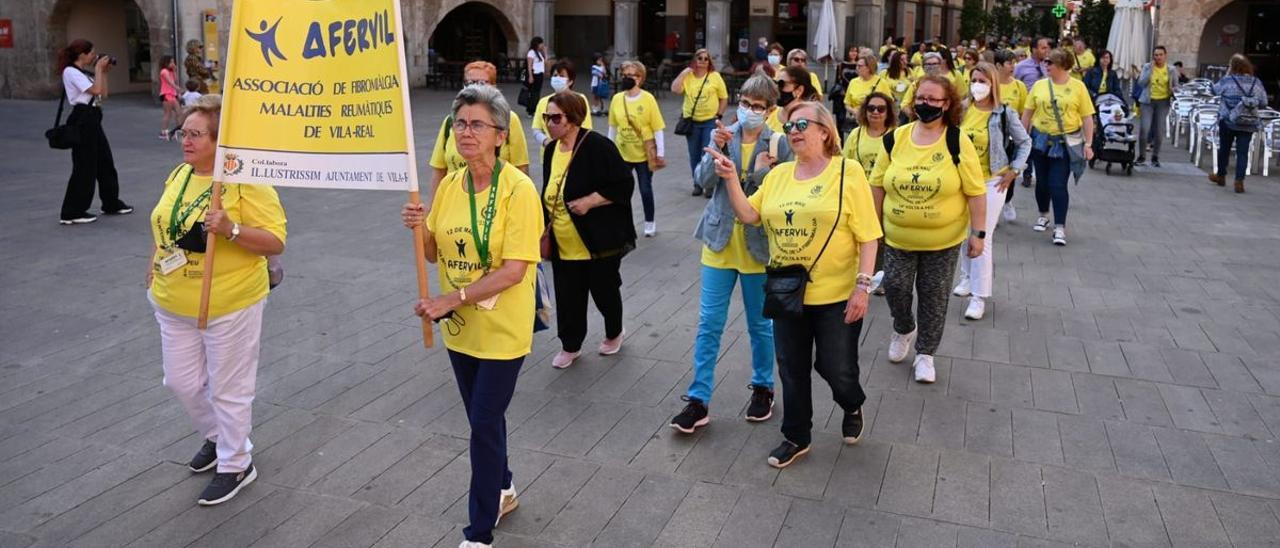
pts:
[235, 232]
[981, 234]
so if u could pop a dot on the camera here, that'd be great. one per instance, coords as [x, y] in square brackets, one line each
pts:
[111, 60]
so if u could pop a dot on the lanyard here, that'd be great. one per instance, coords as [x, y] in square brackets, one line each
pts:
[490, 211]
[176, 222]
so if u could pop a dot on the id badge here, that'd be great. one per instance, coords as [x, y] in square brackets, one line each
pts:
[488, 304]
[171, 260]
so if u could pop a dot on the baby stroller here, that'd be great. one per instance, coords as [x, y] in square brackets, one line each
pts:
[1115, 140]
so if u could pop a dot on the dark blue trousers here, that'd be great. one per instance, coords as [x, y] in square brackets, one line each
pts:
[1052, 176]
[486, 387]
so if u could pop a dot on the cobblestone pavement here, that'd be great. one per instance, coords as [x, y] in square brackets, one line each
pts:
[1121, 391]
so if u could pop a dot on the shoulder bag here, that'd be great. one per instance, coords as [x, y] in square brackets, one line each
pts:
[685, 125]
[784, 286]
[1074, 141]
[650, 145]
[544, 246]
[62, 136]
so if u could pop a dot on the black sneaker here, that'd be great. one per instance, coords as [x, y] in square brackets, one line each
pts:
[206, 458]
[697, 191]
[1141, 161]
[225, 486]
[1155, 161]
[693, 416]
[124, 209]
[786, 453]
[851, 427]
[761, 406]
[83, 219]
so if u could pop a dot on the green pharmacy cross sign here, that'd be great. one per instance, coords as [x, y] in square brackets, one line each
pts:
[1059, 11]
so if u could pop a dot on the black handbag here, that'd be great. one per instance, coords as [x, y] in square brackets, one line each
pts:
[62, 136]
[685, 125]
[784, 286]
[525, 97]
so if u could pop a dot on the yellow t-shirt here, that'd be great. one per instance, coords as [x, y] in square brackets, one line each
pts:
[515, 150]
[815, 83]
[863, 148]
[735, 256]
[910, 97]
[1014, 94]
[926, 204]
[858, 90]
[916, 58]
[897, 86]
[1102, 85]
[506, 332]
[568, 242]
[1073, 102]
[1160, 83]
[637, 120]
[712, 94]
[539, 125]
[975, 126]
[1084, 62]
[798, 216]
[239, 277]
[774, 120]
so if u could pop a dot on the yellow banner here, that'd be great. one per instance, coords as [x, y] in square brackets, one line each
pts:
[211, 48]
[315, 96]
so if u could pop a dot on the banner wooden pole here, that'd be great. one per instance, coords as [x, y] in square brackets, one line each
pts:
[419, 251]
[420, 260]
[206, 280]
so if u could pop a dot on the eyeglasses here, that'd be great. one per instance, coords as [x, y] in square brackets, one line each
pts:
[935, 101]
[799, 125]
[799, 59]
[753, 107]
[631, 75]
[552, 119]
[193, 134]
[476, 83]
[701, 58]
[876, 109]
[932, 64]
[476, 126]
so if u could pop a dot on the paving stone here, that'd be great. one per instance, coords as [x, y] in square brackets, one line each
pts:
[309, 526]
[942, 424]
[1106, 358]
[923, 532]
[331, 455]
[640, 519]
[543, 499]
[416, 531]
[1136, 451]
[898, 417]
[991, 345]
[1036, 437]
[1097, 396]
[1248, 522]
[194, 522]
[587, 513]
[1067, 353]
[867, 529]
[711, 456]
[1017, 497]
[1085, 444]
[1146, 362]
[1230, 373]
[1189, 409]
[1142, 403]
[909, 481]
[257, 520]
[629, 435]
[1073, 507]
[963, 489]
[1243, 467]
[858, 474]
[1187, 368]
[109, 505]
[347, 479]
[699, 518]
[1131, 513]
[363, 528]
[809, 480]
[968, 537]
[401, 478]
[1011, 386]
[757, 520]
[1186, 518]
[1189, 459]
[988, 430]
[970, 380]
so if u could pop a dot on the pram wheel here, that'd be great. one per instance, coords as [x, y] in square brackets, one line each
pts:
[1108, 168]
[1128, 169]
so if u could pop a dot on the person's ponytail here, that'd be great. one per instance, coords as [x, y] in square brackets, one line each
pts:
[67, 56]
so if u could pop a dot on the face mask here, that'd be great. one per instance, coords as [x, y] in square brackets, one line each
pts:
[980, 90]
[786, 98]
[558, 83]
[749, 119]
[628, 82]
[775, 59]
[928, 113]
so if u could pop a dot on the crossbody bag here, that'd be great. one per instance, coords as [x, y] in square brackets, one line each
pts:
[685, 125]
[650, 145]
[544, 246]
[784, 286]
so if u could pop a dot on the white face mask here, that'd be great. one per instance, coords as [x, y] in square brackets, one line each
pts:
[980, 90]
[558, 83]
[775, 59]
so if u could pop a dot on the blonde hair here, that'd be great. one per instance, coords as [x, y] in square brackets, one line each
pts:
[988, 70]
[209, 105]
[824, 119]
[1062, 59]
[637, 65]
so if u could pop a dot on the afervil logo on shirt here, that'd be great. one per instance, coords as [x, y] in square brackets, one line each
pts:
[921, 188]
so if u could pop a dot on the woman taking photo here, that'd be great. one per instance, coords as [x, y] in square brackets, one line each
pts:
[1239, 85]
[829, 197]
[636, 124]
[168, 96]
[732, 252]
[705, 98]
[486, 301]
[996, 133]
[586, 198]
[1058, 106]
[91, 158]
[1102, 78]
[513, 150]
[865, 84]
[213, 371]
[929, 191]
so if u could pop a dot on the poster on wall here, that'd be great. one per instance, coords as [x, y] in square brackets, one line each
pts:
[6, 33]
[212, 59]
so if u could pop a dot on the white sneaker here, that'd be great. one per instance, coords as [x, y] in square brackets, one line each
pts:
[899, 345]
[564, 359]
[924, 369]
[1010, 214]
[469, 544]
[1042, 224]
[507, 503]
[962, 288]
[650, 228]
[977, 307]
[1059, 236]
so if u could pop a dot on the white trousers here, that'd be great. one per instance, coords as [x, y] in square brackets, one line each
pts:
[979, 269]
[214, 374]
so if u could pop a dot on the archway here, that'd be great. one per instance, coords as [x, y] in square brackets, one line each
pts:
[119, 28]
[1238, 26]
[473, 31]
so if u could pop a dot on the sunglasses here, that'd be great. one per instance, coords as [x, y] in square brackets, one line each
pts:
[878, 109]
[552, 119]
[800, 60]
[798, 125]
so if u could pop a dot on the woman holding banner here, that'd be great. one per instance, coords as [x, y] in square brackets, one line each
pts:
[488, 216]
[213, 371]
[513, 150]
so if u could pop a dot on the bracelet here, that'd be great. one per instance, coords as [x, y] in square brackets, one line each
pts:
[863, 278]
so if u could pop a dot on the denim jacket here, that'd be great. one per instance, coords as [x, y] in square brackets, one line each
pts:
[1144, 82]
[995, 141]
[716, 224]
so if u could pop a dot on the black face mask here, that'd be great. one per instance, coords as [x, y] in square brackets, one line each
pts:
[786, 98]
[628, 83]
[928, 113]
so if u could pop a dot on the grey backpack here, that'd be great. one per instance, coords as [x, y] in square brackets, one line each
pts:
[1245, 113]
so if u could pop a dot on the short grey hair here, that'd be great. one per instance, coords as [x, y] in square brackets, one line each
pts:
[490, 97]
[931, 55]
[760, 86]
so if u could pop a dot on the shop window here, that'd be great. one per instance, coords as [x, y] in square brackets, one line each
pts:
[138, 38]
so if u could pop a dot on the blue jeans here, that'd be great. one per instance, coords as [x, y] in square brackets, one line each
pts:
[717, 290]
[644, 181]
[1052, 175]
[697, 140]
[486, 387]
[1241, 139]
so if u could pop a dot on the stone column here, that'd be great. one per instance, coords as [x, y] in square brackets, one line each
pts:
[933, 14]
[544, 23]
[868, 29]
[907, 20]
[626, 25]
[718, 32]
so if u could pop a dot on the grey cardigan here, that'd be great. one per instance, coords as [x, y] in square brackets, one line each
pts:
[1144, 82]
[995, 141]
[716, 224]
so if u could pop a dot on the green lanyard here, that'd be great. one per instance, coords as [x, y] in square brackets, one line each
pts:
[490, 211]
[176, 222]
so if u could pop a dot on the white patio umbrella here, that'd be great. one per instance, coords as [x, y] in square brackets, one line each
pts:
[1129, 40]
[825, 40]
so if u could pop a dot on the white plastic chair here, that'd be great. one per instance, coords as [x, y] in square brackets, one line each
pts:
[1206, 135]
[1179, 116]
[1193, 129]
[1270, 145]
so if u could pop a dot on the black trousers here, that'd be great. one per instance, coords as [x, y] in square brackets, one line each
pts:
[574, 280]
[822, 328]
[90, 161]
[535, 93]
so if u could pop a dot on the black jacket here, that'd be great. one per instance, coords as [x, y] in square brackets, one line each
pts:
[597, 167]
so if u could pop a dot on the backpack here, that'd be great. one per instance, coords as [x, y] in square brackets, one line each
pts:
[952, 138]
[1245, 113]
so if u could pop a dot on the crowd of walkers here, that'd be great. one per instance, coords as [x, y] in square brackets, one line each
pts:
[810, 210]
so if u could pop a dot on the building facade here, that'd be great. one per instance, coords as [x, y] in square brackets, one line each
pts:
[140, 32]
